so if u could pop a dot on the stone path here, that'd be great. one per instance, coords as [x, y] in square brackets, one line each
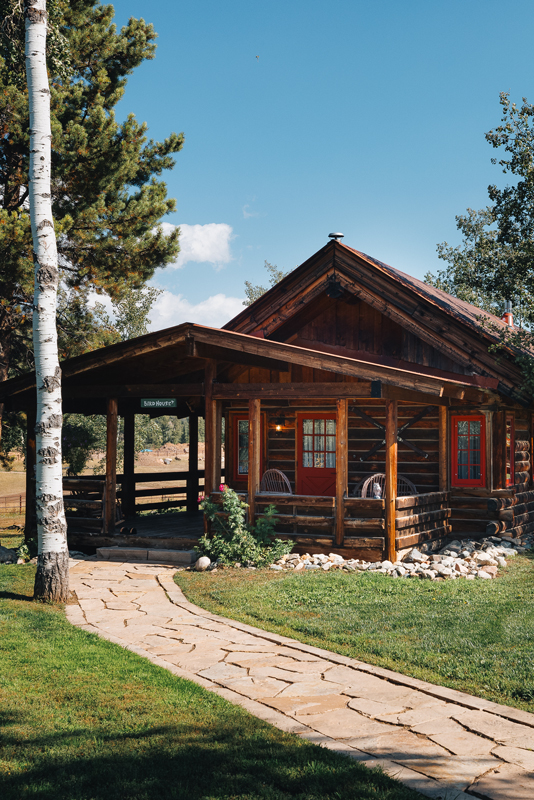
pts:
[444, 743]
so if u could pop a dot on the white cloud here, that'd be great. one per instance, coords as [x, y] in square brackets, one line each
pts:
[173, 309]
[203, 243]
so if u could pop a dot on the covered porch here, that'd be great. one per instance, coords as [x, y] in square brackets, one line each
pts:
[376, 421]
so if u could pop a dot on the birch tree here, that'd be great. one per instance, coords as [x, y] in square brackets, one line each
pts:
[52, 576]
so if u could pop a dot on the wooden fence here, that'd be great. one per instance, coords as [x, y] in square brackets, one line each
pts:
[13, 504]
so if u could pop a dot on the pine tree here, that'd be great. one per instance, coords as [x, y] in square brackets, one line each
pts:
[107, 194]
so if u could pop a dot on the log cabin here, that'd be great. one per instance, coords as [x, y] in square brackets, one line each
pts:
[368, 406]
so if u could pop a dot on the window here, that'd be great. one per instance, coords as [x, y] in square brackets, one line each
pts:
[239, 468]
[510, 450]
[242, 447]
[319, 443]
[468, 451]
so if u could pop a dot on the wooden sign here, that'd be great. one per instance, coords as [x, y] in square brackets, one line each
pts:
[158, 402]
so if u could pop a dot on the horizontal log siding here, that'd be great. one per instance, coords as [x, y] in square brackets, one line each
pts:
[424, 434]
[422, 518]
[281, 444]
[514, 516]
[523, 470]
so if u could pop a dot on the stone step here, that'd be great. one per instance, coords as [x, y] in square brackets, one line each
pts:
[141, 554]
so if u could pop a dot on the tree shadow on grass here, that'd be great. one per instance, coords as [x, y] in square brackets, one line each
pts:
[13, 596]
[188, 762]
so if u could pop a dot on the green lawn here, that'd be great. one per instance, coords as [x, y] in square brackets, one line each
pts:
[83, 719]
[477, 636]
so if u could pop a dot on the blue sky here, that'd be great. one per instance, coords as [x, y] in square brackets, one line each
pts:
[361, 117]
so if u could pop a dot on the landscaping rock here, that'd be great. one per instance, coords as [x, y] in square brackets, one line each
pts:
[416, 556]
[7, 556]
[202, 564]
[468, 559]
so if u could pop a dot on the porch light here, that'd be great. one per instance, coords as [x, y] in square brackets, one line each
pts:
[280, 422]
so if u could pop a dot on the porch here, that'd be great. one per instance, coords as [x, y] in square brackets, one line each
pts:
[373, 420]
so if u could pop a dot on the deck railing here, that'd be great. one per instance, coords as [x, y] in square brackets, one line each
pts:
[311, 520]
[84, 497]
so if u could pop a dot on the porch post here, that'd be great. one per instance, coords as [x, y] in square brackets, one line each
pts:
[111, 465]
[218, 445]
[391, 477]
[499, 450]
[210, 417]
[254, 455]
[128, 483]
[30, 521]
[443, 449]
[342, 475]
[192, 476]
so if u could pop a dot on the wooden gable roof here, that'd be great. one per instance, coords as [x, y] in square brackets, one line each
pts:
[461, 332]
[171, 363]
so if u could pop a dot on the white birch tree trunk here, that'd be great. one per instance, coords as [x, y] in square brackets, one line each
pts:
[52, 577]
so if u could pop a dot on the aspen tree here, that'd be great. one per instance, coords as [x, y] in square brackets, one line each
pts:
[52, 577]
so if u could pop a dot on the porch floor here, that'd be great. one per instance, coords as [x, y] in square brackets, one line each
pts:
[160, 531]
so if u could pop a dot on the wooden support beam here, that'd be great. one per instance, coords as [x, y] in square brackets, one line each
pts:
[135, 390]
[443, 450]
[30, 521]
[391, 477]
[254, 455]
[128, 480]
[218, 444]
[333, 390]
[192, 475]
[111, 465]
[342, 472]
[210, 374]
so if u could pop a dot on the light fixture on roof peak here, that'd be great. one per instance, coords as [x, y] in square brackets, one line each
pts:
[336, 236]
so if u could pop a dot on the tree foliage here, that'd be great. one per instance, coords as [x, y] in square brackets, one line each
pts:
[253, 292]
[495, 261]
[107, 192]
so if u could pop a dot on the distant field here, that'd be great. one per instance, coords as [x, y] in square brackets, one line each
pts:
[12, 482]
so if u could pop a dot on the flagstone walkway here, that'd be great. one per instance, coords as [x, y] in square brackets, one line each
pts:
[444, 743]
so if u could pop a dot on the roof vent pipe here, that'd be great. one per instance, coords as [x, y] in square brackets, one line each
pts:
[508, 317]
[336, 236]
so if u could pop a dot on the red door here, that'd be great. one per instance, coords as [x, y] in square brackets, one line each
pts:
[316, 469]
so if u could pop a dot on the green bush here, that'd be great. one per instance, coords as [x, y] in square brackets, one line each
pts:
[28, 549]
[233, 541]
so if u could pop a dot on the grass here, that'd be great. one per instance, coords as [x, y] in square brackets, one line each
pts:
[83, 719]
[476, 636]
[10, 537]
[13, 481]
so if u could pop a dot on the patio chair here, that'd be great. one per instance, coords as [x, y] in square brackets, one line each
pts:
[275, 482]
[373, 486]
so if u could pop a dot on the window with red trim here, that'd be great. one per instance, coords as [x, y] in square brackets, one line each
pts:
[468, 450]
[510, 450]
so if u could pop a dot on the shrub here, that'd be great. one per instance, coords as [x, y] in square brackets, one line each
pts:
[233, 541]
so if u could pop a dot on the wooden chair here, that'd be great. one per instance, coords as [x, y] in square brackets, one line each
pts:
[373, 486]
[275, 482]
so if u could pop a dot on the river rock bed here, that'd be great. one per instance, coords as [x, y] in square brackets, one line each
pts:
[466, 558]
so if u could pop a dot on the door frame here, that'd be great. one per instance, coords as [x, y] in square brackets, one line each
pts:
[300, 415]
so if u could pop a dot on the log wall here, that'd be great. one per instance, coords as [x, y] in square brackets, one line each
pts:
[424, 434]
[422, 519]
